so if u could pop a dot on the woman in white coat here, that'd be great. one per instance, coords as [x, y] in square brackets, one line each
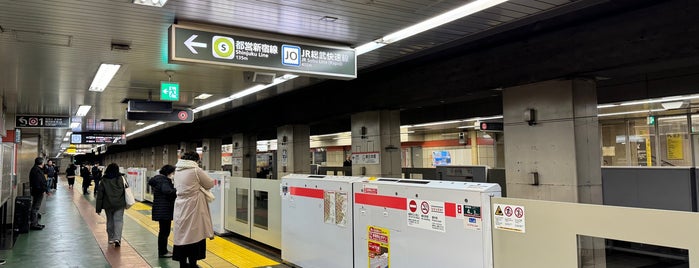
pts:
[192, 218]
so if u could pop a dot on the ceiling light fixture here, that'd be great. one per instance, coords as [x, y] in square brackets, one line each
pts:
[245, 92]
[666, 99]
[672, 104]
[65, 139]
[68, 133]
[82, 110]
[152, 3]
[202, 96]
[145, 128]
[74, 125]
[104, 75]
[631, 112]
[140, 123]
[463, 127]
[437, 123]
[433, 22]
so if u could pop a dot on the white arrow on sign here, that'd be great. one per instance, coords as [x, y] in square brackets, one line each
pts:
[191, 44]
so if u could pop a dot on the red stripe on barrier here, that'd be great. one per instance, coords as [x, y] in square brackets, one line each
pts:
[381, 201]
[307, 192]
[450, 209]
[133, 173]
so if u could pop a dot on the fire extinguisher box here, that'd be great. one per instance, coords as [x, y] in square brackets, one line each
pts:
[317, 229]
[421, 223]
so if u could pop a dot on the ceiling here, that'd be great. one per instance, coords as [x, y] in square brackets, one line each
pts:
[50, 50]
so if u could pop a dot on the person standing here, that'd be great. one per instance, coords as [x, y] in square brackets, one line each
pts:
[37, 185]
[70, 175]
[192, 218]
[164, 195]
[110, 197]
[85, 173]
[96, 176]
[51, 175]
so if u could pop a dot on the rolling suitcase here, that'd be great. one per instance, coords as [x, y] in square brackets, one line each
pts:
[23, 206]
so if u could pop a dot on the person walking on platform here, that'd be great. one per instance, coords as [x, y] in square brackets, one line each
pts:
[51, 175]
[164, 195]
[37, 184]
[110, 197]
[85, 173]
[70, 175]
[96, 176]
[192, 218]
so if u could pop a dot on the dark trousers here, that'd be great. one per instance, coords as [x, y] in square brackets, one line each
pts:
[162, 236]
[36, 204]
[97, 184]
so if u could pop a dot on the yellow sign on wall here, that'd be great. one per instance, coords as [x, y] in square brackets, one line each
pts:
[675, 147]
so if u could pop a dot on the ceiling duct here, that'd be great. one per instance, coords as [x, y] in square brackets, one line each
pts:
[43, 38]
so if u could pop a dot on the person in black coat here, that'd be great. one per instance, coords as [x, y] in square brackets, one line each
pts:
[37, 185]
[163, 205]
[70, 175]
[85, 173]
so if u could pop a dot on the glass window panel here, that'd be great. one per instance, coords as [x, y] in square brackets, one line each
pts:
[260, 211]
[624, 254]
[614, 144]
[675, 146]
[641, 142]
[241, 204]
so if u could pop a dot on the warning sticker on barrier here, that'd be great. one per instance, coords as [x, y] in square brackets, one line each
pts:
[425, 214]
[472, 217]
[509, 218]
[379, 247]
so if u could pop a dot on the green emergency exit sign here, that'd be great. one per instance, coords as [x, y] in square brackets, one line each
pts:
[169, 91]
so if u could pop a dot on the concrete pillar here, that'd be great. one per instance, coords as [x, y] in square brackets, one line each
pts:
[376, 144]
[158, 157]
[211, 154]
[293, 150]
[170, 154]
[555, 156]
[244, 155]
[475, 155]
[188, 147]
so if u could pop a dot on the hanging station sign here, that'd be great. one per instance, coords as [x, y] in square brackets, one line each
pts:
[42, 121]
[97, 138]
[176, 115]
[197, 45]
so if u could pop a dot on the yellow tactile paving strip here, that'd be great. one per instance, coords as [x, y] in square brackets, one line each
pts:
[220, 252]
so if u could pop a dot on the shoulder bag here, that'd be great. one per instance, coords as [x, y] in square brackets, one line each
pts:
[208, 194]
[128, 194]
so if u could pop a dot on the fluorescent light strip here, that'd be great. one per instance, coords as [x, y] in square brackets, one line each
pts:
[245, 92]
[145, 128]
[438, 123]
[466, 127]
[104, 75]
[74, 125]
[631, 112]
[666, 99]
[433, 22]
[202, 96]
[68, 133]
[83, 110]
[484, 118]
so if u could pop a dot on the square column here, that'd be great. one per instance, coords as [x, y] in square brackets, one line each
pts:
[376, 144]
[170, 156]
[293, 150]
[552, 148]
[244, 155]
[211, 154]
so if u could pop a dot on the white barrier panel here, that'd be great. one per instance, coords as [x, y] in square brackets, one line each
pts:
[237, 198]
[317, 220]
[217, 207]
[136, 177]
[417, 223]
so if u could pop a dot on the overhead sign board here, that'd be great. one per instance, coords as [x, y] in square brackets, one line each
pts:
[190, 44]
[169, 91]
[177, 115]
[42, 121]
[491, 126]
[97, 138]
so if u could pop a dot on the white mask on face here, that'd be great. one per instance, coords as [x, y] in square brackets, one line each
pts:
[172, 175]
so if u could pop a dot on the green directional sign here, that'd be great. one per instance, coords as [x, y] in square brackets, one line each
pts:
[169, 91]
[257, 51]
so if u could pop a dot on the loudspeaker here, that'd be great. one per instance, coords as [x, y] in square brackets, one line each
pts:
[258, 77]
[462, 138]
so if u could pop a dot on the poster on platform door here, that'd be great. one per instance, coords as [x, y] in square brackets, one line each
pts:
[379, 247]
[426, 214]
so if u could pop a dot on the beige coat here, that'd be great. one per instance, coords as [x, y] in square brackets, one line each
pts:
[192, 218]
